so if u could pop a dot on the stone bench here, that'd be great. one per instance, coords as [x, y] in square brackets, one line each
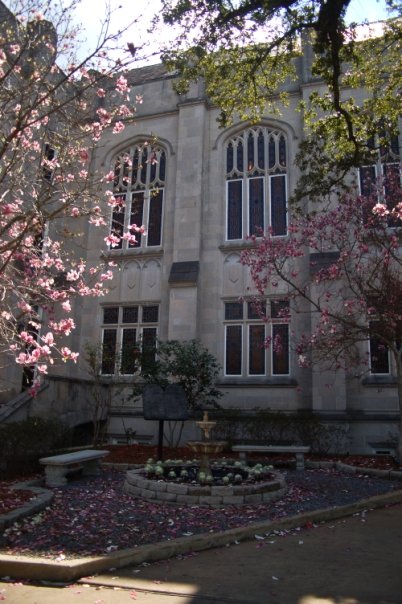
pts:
[58, 467]
[116, 438]
[299, 451]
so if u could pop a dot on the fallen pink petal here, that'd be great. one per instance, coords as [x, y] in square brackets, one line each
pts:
[93, 516]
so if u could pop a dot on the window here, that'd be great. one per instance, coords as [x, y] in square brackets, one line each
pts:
[128, 338]
[245, 336]
[385, 167]
[139, 184]
[49, 155]
[256, 187]
[379, 352]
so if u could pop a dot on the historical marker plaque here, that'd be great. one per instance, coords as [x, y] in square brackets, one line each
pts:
[169, 404]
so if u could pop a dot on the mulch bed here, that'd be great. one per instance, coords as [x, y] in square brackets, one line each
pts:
[94, 516]
[11, 499]
[139, 454]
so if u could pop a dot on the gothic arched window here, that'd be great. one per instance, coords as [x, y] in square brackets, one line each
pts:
[256, 187]
[139, 182]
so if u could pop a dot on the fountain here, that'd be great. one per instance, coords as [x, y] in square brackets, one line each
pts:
[198, 482]
[206, 447]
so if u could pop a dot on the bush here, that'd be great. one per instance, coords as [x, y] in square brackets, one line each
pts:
[231, 425]
[23, 443]
[264, 426]
[272, 427]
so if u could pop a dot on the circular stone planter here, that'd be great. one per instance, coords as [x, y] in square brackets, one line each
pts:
[161, 491]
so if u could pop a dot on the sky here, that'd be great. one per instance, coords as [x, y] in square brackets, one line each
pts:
[126, 11]
[89, 14]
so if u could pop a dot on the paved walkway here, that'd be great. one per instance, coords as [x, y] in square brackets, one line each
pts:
[357, 560]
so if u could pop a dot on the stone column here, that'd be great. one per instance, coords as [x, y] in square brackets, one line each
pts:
[183, 276]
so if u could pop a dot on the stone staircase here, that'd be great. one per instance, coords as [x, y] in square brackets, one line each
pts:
[18, 407]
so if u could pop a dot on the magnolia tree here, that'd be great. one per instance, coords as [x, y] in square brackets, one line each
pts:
[343, 266]
[51, 119]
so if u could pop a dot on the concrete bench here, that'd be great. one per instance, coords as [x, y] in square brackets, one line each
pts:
[299, 451]
[115, 438]
[58, 467]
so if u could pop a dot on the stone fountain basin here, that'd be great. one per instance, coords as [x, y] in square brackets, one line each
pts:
[207, 447]
[162, 491]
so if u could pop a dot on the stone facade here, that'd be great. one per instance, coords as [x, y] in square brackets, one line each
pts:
[194, 232]
[193, 272]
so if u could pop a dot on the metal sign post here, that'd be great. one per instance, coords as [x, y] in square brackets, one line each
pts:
[164, 404]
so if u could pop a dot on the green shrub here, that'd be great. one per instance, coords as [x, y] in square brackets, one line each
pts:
[271, 426]
[230, 426]
[23, 443]
[264, 426]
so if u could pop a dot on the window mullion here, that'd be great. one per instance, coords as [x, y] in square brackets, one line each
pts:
[145, 210]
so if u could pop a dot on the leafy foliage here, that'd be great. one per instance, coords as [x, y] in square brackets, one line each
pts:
[23, 443]
[249, 51]
[265, 426]
[189, 364]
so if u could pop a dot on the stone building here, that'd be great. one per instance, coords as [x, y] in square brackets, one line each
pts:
[200, 191]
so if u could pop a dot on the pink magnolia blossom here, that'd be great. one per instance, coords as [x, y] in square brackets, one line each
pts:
[73, 275]
[112, 240]
[27, 337]
[380, 209]
[125, 111]
[97, 221]
[48, 339]
[129, 238]
[104, 116]
[118, 127]
[64, 326]
[83, 155]
[21, 358]
[67, 354]
[121, 84]
[109, 177]
[106, 276]
[137, 229]
[66, 306]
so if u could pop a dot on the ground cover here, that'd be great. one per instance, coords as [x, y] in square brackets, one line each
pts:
[94, 516]
[11, 497]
